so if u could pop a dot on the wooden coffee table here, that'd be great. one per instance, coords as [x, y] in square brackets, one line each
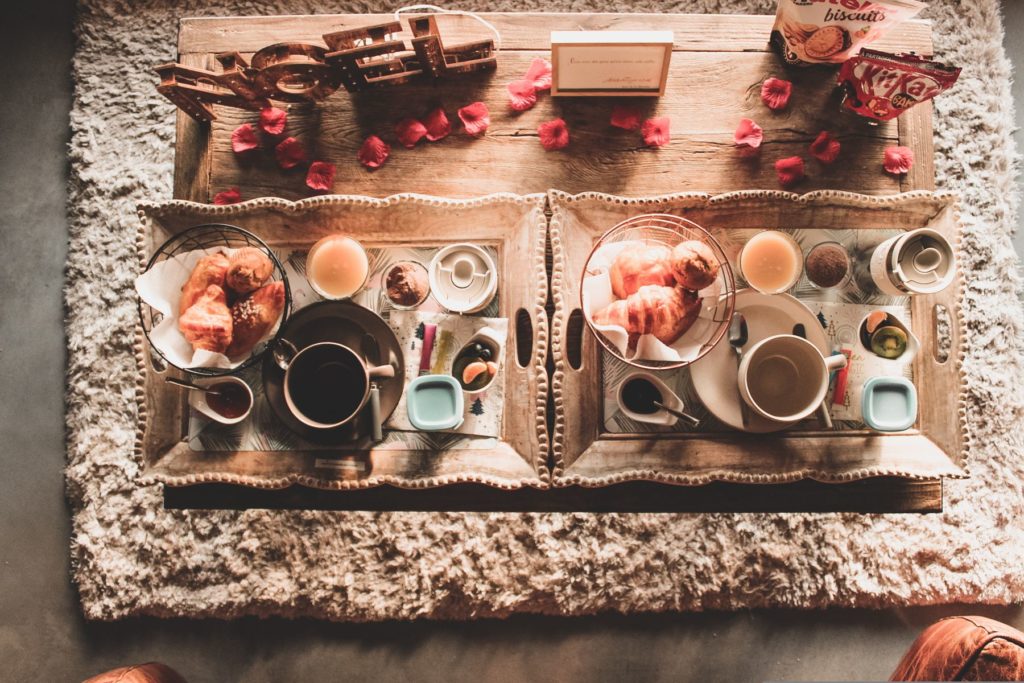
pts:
[717, 66]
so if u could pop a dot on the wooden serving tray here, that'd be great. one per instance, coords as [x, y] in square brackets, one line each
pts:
[585, 454]
[515, 226]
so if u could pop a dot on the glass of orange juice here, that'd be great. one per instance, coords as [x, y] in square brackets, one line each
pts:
[337, 267]
[771, 262]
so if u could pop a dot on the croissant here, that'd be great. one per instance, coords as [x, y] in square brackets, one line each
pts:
[207, 323]
[254, 316]
[248, 269]
[694, 265]
[665, 312]
[635, 267]
[210, 270]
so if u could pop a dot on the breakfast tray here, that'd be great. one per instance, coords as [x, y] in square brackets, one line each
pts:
[587, 453]
[513, 227]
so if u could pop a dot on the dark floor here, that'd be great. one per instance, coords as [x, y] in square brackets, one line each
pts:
[44, 638]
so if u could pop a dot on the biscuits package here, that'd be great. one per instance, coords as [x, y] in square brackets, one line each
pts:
[881, 86]
[831, 31]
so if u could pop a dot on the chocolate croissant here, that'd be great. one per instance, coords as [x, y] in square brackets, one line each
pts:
[210, 270]
[254, 316]
[248, 269]
[665, 312]
[207, 323]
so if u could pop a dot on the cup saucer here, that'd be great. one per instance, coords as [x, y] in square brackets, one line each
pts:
[714, 375]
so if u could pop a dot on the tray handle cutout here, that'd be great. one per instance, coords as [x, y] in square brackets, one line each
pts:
[524, 338]
[574, 339]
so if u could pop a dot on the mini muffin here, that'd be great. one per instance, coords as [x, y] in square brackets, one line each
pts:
[248, 269]
[694, 265]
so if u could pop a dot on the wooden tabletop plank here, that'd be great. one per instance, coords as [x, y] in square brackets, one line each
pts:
[519, 31]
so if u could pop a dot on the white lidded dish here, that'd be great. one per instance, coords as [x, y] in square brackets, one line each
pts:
[463, 278]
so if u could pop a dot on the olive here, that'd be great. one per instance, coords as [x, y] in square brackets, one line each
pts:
[485, 353]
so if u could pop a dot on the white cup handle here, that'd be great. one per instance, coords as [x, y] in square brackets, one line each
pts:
[381, 371]
[836, 362]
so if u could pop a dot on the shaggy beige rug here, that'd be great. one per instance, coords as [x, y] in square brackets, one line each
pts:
[132, 557]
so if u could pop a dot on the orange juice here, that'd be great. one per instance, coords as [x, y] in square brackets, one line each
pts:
[771, 262]
[337, 266]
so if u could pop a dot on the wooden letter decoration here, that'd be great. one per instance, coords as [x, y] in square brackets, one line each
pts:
[358, 59]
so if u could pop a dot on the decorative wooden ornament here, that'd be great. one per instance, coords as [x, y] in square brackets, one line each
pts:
[357, 59]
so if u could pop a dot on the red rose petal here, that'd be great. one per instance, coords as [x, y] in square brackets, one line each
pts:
[409, 132]
[437, 125]
[229, 196]
[521, 95]
[825, 148]
[626, 117]
[790, 170]
[655, 131]
[898, 160]
[320, 176]
[539, 73]
[475, 117]
[244, 138]
[272, 120]
[554, 134]
[775, 93]
[374, 152]
[748, 134]
[290, 153]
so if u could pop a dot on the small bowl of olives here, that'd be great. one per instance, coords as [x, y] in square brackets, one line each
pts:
[476, 364]
[886, 336]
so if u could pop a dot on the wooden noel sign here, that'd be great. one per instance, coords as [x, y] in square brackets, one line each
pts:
[356, 59]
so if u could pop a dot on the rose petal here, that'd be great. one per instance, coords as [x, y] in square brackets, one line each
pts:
[521, 95]
[437, 125]
[409, 132]
[898, 160]
[475, 117]
[229, 196]
[775, 93]
[748, 134]
[320, 176]
[374, 152]
[244, 138]
[825, 148]
[290, 153]
[272, 120]
[626, 117]
[790, 170]
[539, 73]
[655, 131]
[554, 134]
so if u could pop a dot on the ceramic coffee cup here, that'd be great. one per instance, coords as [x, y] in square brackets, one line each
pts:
[325, 384]
[785, 377]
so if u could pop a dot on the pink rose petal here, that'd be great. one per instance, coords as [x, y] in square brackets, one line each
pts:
[898, 160]
[790, 170]
[229, 196]
[374, 152]
[521, 95]
[244, 139]
[626, 117]
[775, 93]
[748, 134]
[290, 153]
[409, 132]
[825, 148]
[437, 124]
[554, 134]
[475, 117]
[539, 73]
[656, 131]
[320, 176]
[272, 120]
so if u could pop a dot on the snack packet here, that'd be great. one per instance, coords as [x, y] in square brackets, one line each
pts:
[881, 86]
[831, 31]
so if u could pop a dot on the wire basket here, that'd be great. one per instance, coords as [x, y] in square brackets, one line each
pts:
[669, 230]
[210, 236]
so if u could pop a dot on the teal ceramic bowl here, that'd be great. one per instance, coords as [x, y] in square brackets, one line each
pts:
[434, 402]
[889, 404]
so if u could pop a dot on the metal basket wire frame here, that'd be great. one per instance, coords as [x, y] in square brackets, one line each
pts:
[670, 230]
[208, 236]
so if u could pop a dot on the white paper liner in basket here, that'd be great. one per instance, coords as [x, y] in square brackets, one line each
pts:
[160, 288]
[597, 294]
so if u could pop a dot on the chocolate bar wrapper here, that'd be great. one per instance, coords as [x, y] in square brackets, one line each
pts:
[881, 86]
[832, 31]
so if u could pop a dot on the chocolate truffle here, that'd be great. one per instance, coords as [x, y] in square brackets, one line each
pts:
[407, 284]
